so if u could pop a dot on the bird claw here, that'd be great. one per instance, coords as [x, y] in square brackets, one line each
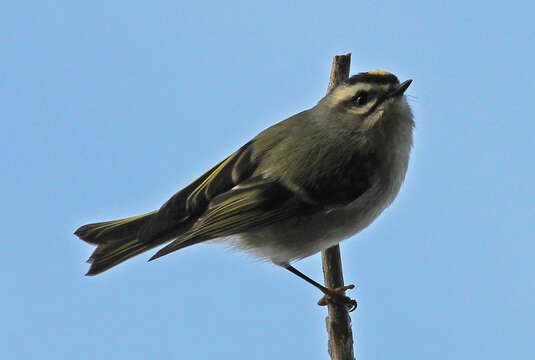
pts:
[337, 296]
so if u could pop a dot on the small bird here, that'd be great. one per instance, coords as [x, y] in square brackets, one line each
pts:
[297, 188]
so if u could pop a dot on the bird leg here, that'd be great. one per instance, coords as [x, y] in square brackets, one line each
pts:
[336, 295]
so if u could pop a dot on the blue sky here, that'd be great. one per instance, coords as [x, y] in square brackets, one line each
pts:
[108, 108]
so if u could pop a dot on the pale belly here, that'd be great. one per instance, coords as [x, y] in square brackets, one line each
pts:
[298, 238]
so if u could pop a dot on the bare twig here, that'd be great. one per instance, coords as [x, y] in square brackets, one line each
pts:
[338, 321]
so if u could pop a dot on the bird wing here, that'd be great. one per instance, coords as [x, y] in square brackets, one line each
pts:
[183, 208]
[195, 197]
[252, 204]
[252, 189]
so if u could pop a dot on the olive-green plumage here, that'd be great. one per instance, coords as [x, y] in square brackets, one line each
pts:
[298, 187]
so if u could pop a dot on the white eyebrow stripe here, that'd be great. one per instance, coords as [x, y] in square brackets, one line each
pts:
[346, 92]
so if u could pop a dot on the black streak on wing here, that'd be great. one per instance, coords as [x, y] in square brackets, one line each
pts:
[183, 209]
[256, 203]
[193, 199]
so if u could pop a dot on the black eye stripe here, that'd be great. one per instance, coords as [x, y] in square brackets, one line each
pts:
[361, 98]
[378, 102]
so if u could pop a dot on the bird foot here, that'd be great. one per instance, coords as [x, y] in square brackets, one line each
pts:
[337, 296]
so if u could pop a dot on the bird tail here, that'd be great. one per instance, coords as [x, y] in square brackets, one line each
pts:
[118, 240]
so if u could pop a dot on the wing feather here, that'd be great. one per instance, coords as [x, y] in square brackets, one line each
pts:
[221, 178]
[190, 202]
[242, 209]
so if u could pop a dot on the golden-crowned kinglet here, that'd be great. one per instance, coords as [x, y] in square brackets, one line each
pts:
[297, 188]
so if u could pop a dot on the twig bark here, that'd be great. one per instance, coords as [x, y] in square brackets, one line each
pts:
[338, 322]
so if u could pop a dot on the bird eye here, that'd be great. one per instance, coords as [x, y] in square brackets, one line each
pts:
[361, 98]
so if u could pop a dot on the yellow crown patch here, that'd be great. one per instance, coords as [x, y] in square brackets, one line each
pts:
[377, 72]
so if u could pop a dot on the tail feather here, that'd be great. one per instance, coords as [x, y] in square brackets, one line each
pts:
[118, 240]
[107, 258]
[103, 232]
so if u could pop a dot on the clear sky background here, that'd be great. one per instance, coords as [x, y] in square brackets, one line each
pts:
[108, 108]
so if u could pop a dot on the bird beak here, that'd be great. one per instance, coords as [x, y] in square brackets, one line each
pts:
[400, 89]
